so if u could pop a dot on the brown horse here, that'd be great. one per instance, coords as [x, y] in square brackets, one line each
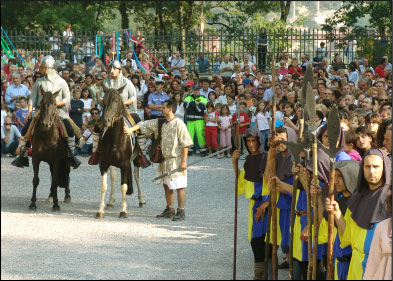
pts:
[49, 146]
[116, 150]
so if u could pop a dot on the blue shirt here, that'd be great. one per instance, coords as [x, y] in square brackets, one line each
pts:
[216, 67]
[203, 65]
[15, 135]
[268, 94]
[157, 99]
[13, 91]
[21, 114]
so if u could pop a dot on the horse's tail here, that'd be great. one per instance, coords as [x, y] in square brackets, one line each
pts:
[130, 189]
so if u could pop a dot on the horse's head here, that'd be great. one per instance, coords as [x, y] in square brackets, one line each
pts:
[113, 106]
[48, 108]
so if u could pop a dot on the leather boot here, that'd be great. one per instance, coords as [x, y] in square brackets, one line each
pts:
[258, 270]
[22, 160]
[95, 157]
[74, 162]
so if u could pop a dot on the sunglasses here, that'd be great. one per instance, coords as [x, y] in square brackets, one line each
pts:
[99, 79]
[95, 113]
[261, 89]
[383, 100]
[8, 124]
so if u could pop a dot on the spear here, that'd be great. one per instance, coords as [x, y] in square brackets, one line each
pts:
[272, 213]
[308, 78]
[333, 128]
[310, 105]
[237, 141]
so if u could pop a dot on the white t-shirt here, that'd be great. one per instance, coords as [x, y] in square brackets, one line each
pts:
[88, 51]
[212, 115]
[232, 109]
[88, 135]
[87, 103]
[54, 44]
[69, 40]
[3, 115]
[262, 120]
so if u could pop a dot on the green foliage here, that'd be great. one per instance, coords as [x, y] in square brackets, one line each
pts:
[348, 15]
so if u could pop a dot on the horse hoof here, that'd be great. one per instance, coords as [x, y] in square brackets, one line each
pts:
[142, 205]
[33, 207]
[100, 215]
[55, 208]
[50, 199]
[123, 215]
[67, 199]
[110, 207]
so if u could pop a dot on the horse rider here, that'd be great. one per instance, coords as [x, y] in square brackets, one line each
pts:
[128, 95]
[52, 82]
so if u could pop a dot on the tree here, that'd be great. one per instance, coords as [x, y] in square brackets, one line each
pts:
[350, 12]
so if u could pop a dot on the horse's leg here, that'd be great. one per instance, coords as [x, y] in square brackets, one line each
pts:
[36, 181]
[50, 197]
[111, 203]
[55, 183]
[123, 187]
[142, 202]
[67, 198]
[104, 187]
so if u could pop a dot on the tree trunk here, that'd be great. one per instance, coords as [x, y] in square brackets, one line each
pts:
[124, 16]
[180, 25]
[284, 7]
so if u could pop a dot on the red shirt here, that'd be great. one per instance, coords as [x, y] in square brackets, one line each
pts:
[380, 71]
[243, 120]
[292, 70]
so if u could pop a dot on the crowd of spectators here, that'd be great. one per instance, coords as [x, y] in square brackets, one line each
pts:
[360, 90]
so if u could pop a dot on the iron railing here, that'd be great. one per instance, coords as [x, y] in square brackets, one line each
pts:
[294, 42]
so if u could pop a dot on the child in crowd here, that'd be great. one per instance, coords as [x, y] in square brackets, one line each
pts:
[76, 110]
[88, 103]
[350, 145]
[86, 144]
[211, 119]
[244, 124]
[21, 114]
[17, 107]
[212, 97]
[225, 126]
[262, 121]
[355, 121]
[231, 104]
[289, 112]
[140, 110]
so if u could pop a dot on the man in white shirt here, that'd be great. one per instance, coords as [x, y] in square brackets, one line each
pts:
[365, 65]
[226, 67]
[205, 90]
[133, 63]
[247, 62]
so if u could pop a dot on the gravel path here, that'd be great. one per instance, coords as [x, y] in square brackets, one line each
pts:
[72, 244]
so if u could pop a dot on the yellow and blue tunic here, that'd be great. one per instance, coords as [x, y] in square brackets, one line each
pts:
[360, 239]
[257, 193]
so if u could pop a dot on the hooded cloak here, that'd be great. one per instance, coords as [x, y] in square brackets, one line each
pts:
[368, 206]
[255, 165]
[350, 173]
[284, 165]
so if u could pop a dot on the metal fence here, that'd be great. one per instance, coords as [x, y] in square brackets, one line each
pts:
[294, 42]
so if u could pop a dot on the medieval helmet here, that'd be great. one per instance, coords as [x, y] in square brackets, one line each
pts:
[48, 61]
[115, 64]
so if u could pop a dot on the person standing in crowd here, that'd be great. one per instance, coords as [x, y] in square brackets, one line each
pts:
[68, 37]
[226, 68]
[15, 91]
[195, 106]
[156, 100]
[203, 63]
[262, 43]
[177, 63]
[175, 141]
[211, 119]
[366, 209]
[76, 108]
[225, 126]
